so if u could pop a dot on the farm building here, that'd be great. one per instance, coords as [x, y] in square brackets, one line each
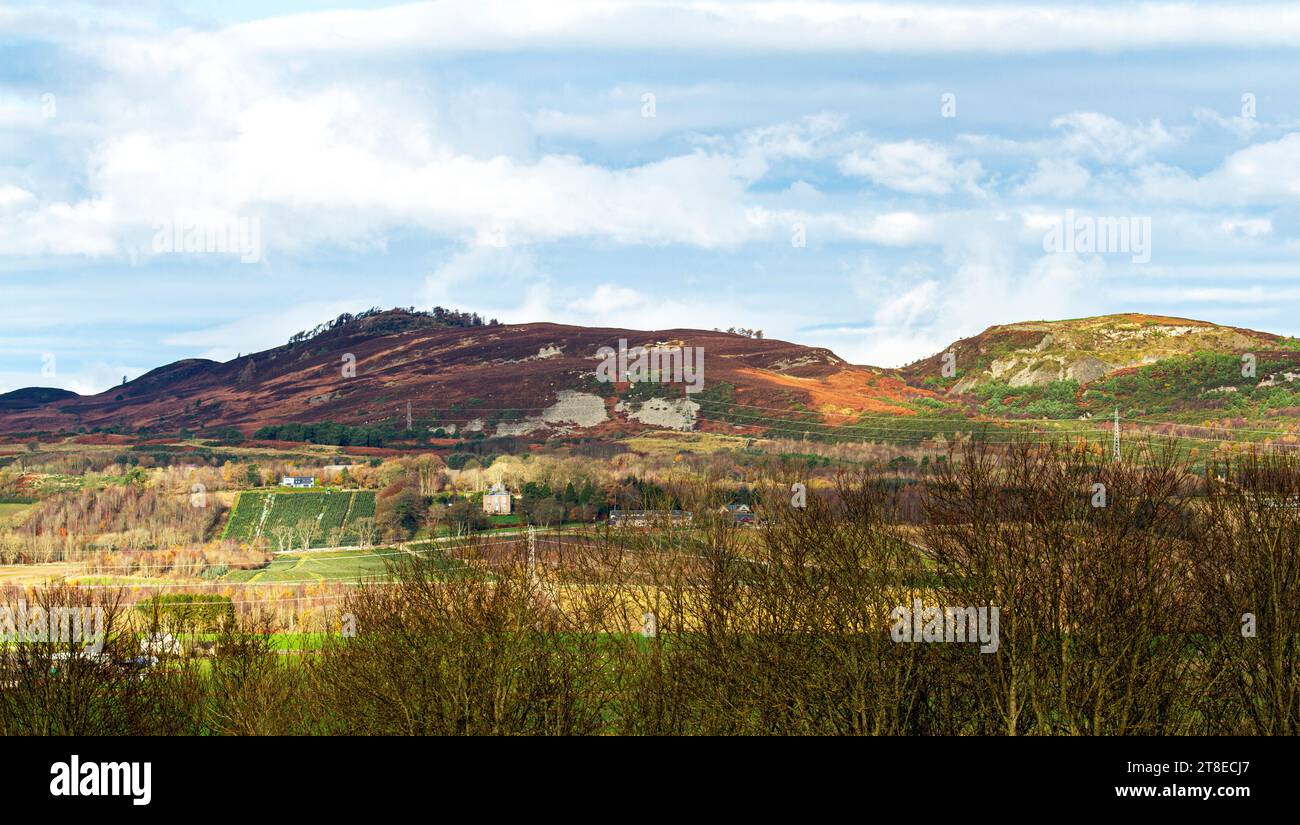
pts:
[740, 513]
[496, 501]
[298, 481]
[642, 518]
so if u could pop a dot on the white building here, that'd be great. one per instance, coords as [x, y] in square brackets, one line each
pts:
[298, 481]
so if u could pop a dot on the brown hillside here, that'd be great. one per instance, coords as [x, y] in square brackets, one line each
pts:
[506, 378]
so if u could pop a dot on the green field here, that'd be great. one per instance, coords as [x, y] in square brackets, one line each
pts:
[346, 566]
[260, 513]
[331, 565]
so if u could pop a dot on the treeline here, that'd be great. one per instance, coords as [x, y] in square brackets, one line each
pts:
[115, 517]
[438, 315]
[341, 435]
[344, 435]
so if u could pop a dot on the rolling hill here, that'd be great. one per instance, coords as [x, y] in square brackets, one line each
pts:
[30, 398]
[1085, 349]
[355, 380]
[1141, 364]
[523, 380]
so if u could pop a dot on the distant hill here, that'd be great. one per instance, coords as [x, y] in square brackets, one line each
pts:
[29, 398]
[352, 381]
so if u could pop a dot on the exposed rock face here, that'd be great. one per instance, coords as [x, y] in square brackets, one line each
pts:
[581, 408]
[670, 413]
[782, 366]
[1019, 371]
[1036, 375]
[577, 408]
[1088, 369]
[518, 428]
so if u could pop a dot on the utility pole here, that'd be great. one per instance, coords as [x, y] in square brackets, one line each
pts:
[534, 578]
[1117, 433]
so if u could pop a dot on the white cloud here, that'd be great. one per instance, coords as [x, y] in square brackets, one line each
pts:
[30, 229]
[623, 306]
[914, 320]
[461, 26]
[912, 306]
[1108, 140]
[1265, 173]
[12, 197]
[1055, 178]
[1248, 227]
[1260, 172]
[1241, 126]
[507, 267]
[916, 167]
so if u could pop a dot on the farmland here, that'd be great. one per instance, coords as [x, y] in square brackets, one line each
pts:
[336, 513]
[347, 566]
[513, 615]
[11, 514]
[343, 566]
[246, 516]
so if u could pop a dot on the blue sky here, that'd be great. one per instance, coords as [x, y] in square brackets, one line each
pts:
[798, 168]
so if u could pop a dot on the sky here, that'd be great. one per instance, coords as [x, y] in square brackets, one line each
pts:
[195, 180]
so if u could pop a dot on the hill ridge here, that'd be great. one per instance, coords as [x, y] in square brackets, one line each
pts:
[539, 380]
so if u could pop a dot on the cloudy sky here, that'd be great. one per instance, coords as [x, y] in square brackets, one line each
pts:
[877, 178]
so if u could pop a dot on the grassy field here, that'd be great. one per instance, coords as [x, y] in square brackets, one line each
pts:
[11, 515]
[330, 565]
[344, 566]
[30, 575]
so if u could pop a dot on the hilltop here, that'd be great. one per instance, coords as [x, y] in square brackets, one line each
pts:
[1141, 363]
[1036, 353]
[29, 398]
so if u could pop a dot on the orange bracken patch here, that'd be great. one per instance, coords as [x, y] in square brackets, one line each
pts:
[845, 394]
